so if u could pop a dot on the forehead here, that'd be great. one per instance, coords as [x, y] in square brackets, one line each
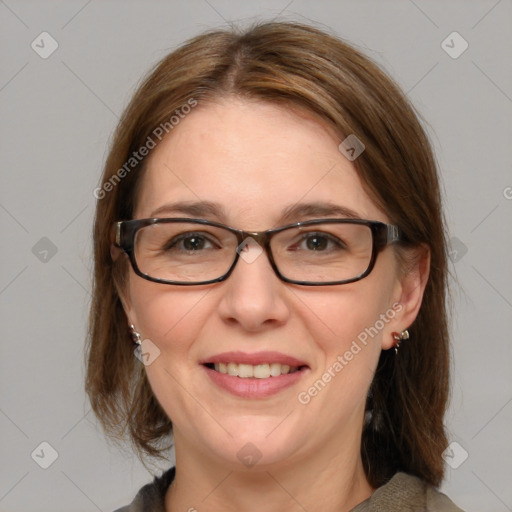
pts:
[254, 159]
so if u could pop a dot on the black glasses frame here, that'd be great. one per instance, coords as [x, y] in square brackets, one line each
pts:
[382, 235]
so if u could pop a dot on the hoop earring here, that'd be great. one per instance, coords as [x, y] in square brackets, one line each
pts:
[136, 337]
[404, 335]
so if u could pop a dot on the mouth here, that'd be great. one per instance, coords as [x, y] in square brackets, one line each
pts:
[254, 375]
[259, 371]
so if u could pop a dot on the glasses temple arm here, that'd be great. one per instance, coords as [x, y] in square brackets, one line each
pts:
[393, 234]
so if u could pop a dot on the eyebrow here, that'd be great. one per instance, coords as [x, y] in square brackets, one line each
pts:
[290, 214]
[299, 211]
[196, 209]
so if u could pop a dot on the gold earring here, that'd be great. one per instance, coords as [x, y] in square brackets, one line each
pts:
[404, 335]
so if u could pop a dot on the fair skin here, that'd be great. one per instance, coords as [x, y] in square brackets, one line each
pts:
[255, 159]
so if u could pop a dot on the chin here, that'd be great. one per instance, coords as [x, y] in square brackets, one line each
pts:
[255, 443]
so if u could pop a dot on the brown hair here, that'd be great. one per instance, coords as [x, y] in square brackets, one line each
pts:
[302, 67]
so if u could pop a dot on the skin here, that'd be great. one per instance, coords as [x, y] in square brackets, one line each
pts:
[255, 159]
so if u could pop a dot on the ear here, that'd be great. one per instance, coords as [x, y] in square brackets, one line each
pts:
[408, 293]
[115, 252]
[128, 310]
[122, 287]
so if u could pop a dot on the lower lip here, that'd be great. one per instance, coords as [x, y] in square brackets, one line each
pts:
[252, 387]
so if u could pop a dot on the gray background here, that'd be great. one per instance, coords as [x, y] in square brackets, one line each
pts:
[57, 115]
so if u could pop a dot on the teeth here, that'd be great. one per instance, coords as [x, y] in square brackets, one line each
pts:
[245, 370]
[233, 369]
[275, 369]
[262, 371]
[259, 371]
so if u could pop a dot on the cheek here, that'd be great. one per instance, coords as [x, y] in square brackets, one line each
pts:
[338, 317]
[172, 319]
[169, 317]
[347, 327]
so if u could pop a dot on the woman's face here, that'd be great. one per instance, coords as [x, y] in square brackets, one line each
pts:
[256, 160]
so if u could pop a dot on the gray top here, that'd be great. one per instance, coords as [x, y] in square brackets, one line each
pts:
[403, 493]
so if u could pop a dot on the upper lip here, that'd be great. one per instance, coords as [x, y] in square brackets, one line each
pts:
[254, 359]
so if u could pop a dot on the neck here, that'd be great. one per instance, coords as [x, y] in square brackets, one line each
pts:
[331, 480]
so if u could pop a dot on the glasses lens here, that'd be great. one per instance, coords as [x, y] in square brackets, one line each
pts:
[184, 252]
[323, 252]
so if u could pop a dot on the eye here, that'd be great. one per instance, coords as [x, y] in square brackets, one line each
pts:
[190, 242]
[322, 242]
[316, 242]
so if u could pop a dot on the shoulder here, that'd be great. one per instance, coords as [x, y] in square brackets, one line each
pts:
[151, 496]
[407, 493]
[437, 501]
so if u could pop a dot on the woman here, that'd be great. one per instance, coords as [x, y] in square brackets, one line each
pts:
[269, 237]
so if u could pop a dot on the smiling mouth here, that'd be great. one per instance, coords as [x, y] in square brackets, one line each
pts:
[259, 371]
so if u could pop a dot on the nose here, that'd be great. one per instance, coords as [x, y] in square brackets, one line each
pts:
[254, 296]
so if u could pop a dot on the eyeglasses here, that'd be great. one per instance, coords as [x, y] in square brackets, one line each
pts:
[182, 251]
